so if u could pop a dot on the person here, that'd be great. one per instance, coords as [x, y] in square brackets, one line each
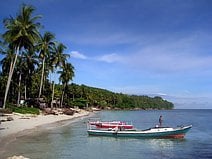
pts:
[160, 121]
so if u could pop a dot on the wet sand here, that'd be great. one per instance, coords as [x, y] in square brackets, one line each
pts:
[24, 125]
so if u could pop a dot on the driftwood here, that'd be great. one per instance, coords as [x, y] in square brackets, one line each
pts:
[68, 111]
[5, 111]
[48, 111]
[8, 119]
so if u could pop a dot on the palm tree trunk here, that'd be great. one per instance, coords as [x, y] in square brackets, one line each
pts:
[41, 81]
[61, 102]
[52, 95]
[25, 92]
[19, 90]
[12, 67]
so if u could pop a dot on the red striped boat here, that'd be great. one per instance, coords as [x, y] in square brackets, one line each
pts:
[155, 132]
[111, 124]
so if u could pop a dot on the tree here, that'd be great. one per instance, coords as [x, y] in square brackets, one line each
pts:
[66, 75]
[19, 72]
[29, 62]
[21, 32]
[45, 45]
[58, 59]
[6, 62]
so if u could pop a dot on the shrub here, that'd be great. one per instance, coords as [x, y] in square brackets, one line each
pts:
[23, 110]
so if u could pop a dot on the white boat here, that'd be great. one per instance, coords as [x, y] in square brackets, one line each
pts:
[155, 132]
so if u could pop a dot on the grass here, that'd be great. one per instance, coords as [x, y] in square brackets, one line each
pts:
[23, 109]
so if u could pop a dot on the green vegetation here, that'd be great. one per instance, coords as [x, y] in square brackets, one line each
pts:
[25, 110]
[85, 96]
[29, 59]
[22, 110]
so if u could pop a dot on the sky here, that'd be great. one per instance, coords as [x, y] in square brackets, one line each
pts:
[143, 47]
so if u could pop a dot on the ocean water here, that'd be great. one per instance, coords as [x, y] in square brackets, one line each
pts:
[72, 141]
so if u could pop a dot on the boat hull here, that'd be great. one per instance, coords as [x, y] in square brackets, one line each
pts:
[150, 133]
[105, 126]
[112, 124]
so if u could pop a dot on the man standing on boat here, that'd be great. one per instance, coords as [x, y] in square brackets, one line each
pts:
[160, 121]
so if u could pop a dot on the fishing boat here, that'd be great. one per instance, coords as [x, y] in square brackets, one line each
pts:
[111, 124]
[155, 132]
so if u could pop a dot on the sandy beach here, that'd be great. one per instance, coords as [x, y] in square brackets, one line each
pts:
[26, 123]
[23, 122]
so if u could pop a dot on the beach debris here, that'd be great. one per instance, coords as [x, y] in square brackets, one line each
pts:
[48, 111]
[9, 118]
[18, 157]
[5, 111]
[68, 111]
[24, 118]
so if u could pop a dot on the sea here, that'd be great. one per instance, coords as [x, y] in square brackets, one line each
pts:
[71, 141]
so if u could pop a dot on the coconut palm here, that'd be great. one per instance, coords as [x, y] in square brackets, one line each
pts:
[58, 59]
[66, 75]
[21, 33]
[45, 45]
[29, 63]
[25, 67]
[8, 56]
[6, 62]
[19, 70]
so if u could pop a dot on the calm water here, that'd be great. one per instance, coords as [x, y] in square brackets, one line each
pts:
[72, 142]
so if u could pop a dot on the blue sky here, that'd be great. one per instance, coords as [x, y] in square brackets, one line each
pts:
[159, 47]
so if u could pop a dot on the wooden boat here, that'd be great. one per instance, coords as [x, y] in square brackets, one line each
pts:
[111, 124]
[155, 132]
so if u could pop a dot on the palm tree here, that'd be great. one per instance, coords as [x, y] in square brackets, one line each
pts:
[29, 63]
[66, 75]
[19, 71]
[6, 62]
[45, 45]
[58, 59]
[25, 67]
[21, 32]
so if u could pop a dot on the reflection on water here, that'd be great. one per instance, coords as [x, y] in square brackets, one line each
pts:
[135, 148]
[158, 144]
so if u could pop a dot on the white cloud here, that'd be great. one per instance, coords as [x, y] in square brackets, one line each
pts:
[165, 62]
[137, 89]
[176, 55]
[105, 38]
[170, 54]
[78, 55]
[110, 58]
[161, 94]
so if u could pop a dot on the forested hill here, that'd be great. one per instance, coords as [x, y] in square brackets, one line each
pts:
[85, 96]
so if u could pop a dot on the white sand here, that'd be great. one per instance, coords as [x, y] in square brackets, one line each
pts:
[23, 122]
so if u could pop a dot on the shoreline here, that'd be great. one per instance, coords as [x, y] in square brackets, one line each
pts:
[24, 125]
[27, 122]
